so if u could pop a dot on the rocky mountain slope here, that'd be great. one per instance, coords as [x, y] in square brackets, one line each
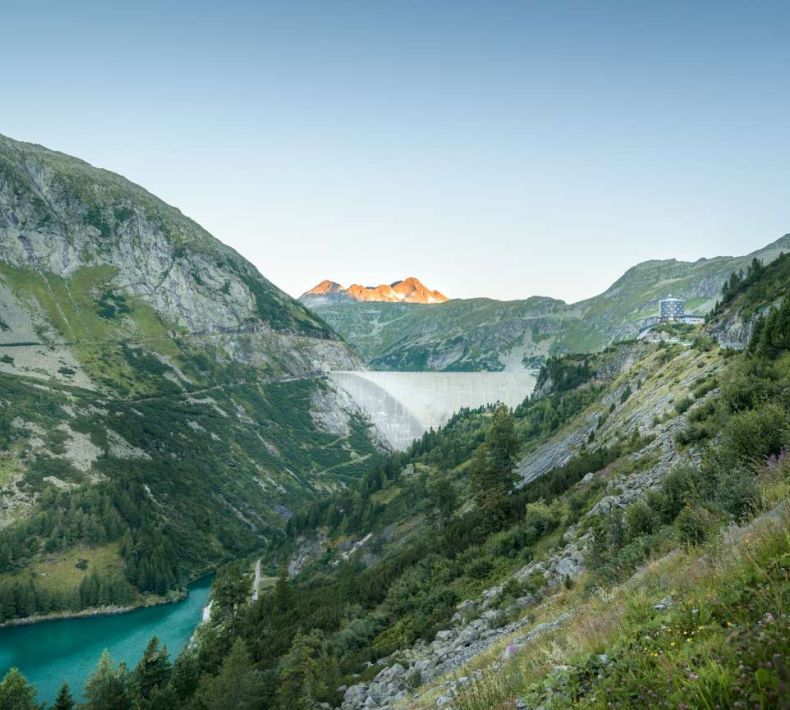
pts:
[161, 403]
[643, 538]
[484, 334]
[409, 290]
[619, 538]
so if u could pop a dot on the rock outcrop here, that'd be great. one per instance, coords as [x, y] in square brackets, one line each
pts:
[408, 290]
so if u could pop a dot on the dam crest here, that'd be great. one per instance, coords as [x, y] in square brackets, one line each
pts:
[404, 405]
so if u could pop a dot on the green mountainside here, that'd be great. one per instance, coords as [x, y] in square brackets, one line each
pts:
[162, 405]
[483, 334]
[619, 539]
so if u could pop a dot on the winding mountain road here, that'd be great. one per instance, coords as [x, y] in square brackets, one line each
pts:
[256, 585]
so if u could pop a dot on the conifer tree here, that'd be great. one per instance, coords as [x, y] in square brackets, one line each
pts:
[238, 684]
[107, 687]
[231, 589]
[16, 693]
[298, 674]
[185, 676]
[281, 590]
[443, 500]
[492, 472]
[64, 699]
[152, 671]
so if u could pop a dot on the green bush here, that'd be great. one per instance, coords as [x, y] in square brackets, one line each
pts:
[757, 434]
[479, 568]
[541, 518]
[640, 520]
[694, 524]
[707, 385]
[682, 405]
[736, 493]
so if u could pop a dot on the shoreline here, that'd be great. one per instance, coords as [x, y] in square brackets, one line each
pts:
[93, 611]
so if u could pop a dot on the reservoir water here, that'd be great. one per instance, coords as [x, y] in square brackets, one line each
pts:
[68, 649]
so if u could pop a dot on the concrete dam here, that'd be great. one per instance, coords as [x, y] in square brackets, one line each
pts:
[404, 405]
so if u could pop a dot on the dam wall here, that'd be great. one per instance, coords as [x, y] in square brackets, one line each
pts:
[404, 405]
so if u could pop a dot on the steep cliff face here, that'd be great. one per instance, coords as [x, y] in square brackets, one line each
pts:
[150, 372]
[66, 226]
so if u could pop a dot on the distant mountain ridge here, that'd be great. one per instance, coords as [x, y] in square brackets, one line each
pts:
[486, 334]
[408, 290]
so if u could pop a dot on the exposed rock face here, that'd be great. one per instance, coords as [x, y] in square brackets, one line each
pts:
[733, 332]
[136, 348]
[60, 217]
[409, 290]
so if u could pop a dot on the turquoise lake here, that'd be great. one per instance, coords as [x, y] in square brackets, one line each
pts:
[51, 652]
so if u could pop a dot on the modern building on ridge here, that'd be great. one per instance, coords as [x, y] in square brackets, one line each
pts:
[671, 310]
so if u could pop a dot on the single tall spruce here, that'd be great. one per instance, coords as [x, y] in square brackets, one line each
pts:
[493, 467]
[64, 699]
[298, 674]
[153, 670]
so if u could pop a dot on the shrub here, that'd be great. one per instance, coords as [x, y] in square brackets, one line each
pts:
[736, 492]
[682, 405]
[703, 343]
[541, 518]
[511, 543]
[741, 392]
[703, 412]
[694, 524]
[707, 385]
[479, 568]
[625, 394]
[692, 434]
[757, 434]
[640, 520]
[414, 679]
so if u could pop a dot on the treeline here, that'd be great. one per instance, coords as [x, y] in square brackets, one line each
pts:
[85, 515]
[309, 636]
[22, 596]
[565, 372]
[108, 512]
[357, 509]
[771, 336]
[740, 281]
[757, 286]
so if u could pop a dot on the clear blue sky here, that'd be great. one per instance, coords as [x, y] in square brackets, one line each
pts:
[490, 147]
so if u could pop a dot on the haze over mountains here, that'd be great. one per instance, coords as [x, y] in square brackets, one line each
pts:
[408, 290]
